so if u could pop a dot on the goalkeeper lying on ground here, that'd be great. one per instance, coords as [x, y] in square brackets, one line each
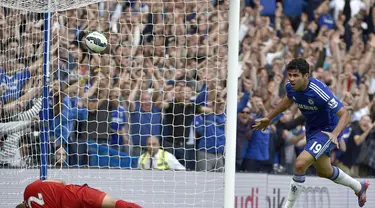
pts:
[55, 194]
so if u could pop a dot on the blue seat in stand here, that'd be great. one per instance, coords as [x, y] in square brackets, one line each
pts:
[109, 157]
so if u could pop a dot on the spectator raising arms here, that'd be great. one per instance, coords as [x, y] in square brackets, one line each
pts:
[210, 134]
[257, 152]
[244, 132]
[179, 115]
[145, 117]
[97, 127]
[118, 124]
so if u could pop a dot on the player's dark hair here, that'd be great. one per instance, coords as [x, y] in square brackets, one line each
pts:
[299, 64]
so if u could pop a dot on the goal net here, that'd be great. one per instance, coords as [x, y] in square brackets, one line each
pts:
[144, 121]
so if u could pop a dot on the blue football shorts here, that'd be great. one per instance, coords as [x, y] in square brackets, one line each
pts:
[319, 144]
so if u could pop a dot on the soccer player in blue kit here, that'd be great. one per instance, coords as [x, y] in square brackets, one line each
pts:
[326, 117]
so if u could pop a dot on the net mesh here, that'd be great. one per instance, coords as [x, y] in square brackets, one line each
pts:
[46, 6]
[21, 86]
[153, 100]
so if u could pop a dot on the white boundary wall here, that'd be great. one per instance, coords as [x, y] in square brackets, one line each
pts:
[188, 189]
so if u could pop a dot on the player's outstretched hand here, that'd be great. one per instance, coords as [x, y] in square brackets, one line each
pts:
[332, 138]
[261, 123]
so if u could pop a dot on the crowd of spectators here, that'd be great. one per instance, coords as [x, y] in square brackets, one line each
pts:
[162, 81]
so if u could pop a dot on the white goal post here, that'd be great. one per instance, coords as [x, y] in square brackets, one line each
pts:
[168, 79]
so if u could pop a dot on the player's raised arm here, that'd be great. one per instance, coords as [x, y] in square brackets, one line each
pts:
[281, 107]
[262, 123]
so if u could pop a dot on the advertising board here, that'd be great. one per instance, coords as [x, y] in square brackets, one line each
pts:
[170, 189]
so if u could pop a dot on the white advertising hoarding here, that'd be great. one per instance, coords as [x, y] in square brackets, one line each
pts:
[270, 191]
[188, 189]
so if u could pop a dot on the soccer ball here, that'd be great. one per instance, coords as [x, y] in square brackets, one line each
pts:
[96, 42]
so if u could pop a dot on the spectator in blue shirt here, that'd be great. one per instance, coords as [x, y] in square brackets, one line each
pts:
[210, 134]
[15, 84]
[71, 111]
[96, 128]
[65, 112]
[325, 18]
[145, 118]
[269, 7]
[244, 133]
[119, 123]
[207, 93]
[257, 153]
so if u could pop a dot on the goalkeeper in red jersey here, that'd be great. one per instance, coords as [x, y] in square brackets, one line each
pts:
[56, 194]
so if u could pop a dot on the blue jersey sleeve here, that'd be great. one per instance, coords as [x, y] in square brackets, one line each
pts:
[333, 103]
[330, 101]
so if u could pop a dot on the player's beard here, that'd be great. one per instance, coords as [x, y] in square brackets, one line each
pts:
[300, 85]
[295, 86]
[305, 84]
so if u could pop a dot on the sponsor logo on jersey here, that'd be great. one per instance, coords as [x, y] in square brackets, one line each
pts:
[307, 107]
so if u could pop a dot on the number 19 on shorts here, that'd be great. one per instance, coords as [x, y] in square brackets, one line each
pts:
[315, 147]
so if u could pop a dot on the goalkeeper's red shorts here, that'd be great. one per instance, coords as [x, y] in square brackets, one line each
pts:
[82, 196]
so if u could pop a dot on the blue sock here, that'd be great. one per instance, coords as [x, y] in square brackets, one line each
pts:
[335, 174]
[299, 178]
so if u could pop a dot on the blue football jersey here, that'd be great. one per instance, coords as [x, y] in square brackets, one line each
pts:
[118, 118]
[13, 84]
[318, 105]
